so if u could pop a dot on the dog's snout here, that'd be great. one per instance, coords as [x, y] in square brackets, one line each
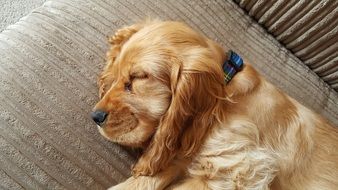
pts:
[99, 116]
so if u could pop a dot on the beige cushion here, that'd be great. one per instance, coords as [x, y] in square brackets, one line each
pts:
[307, 28]
[48, 69]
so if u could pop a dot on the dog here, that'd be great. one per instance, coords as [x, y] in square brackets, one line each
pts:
[163, 89]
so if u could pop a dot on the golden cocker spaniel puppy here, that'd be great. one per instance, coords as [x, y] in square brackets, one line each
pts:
[163, 89]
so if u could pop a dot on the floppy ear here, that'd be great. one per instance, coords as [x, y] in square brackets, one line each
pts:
[120, 37]
[194, 105]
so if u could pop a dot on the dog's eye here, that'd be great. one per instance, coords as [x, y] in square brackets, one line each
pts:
[138, 76]
[128, 86]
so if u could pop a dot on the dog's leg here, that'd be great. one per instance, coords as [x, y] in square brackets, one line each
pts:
[142, 182]
[190, 184]
[156, 182]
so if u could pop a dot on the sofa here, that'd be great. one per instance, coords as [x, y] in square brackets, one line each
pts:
[50, 60]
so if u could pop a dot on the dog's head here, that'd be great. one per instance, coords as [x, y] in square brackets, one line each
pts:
[160, 90]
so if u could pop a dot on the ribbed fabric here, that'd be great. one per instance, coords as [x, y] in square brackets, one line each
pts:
[49, 62]
[308, 28]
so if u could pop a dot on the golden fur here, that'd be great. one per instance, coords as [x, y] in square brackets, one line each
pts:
[164, 90]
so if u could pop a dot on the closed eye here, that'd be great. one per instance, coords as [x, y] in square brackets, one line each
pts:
[138, 76]
[128, 86]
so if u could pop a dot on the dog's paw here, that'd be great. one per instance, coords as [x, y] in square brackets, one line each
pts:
[139, 183]
[116, 187]
[129, 184]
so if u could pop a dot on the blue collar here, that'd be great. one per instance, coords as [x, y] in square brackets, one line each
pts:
[231, 66]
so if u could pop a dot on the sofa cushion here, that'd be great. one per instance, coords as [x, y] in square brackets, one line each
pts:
[307, 28]
[48, 69]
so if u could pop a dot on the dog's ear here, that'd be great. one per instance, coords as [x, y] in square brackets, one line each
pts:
[120, 37]
[196, 84]
[116, 41]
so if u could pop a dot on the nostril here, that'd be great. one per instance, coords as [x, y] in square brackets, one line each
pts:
[99, 116]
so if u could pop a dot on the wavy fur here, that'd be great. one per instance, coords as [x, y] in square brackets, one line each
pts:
[196, 131]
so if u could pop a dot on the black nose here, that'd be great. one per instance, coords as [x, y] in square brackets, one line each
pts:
[99, 116]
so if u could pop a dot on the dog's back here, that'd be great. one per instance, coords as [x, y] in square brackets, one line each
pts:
[315, 167]
[302, 142]
[307, 149]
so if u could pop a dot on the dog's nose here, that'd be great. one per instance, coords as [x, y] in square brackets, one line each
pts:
[99, 116]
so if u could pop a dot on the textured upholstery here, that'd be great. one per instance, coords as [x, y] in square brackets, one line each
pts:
[49, 62]
[308, 28]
